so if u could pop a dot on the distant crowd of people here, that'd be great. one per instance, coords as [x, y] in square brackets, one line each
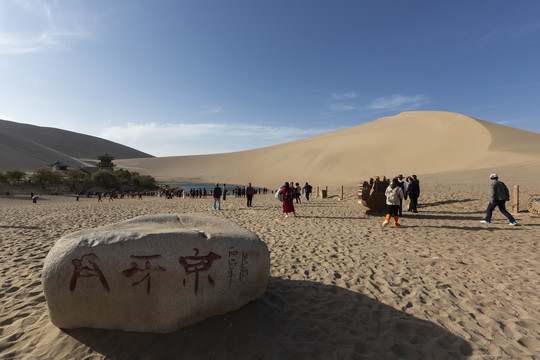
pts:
[290, 193]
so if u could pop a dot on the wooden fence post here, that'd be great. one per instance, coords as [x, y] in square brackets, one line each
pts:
[515, 206]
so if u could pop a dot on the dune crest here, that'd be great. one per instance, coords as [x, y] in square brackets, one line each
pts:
[30, 147]
[421, 142]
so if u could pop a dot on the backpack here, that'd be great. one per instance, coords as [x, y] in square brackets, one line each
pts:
[278, 194]
[393, 196]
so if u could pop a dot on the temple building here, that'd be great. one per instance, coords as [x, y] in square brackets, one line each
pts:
[58, 167]
[105, 162]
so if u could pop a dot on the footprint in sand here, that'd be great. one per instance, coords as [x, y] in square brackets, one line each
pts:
[529, 342]
[12, 289]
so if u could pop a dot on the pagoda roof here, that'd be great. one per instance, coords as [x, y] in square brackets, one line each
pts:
[105, 156]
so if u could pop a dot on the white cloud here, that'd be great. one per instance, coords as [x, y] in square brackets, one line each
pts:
[509, 32]
[214, 109]
[203, 138]
[337, 101]
[6, 117]
[347, 95]
[21, 44]
[35, 26]
[399, 102]
[341, 107]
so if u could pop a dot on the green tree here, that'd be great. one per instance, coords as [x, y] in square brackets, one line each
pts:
[3, 178]
[79, 181]
[144, 182]
[46, 176]
[124, 178]
[15, 175]
[106, 179]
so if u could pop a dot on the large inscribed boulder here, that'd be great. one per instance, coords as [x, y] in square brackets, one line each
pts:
[154, 273]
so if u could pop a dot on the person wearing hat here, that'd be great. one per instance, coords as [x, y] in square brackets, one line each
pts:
[498, 196]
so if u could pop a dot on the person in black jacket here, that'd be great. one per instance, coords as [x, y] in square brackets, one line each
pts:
[217, 198]
[402, 185]
[307, 190]
[413, 192]
[249, 191]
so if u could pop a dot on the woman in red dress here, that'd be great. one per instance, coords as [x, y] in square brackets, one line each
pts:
[287, 200]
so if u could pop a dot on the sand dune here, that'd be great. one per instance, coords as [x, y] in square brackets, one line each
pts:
[30, 147]
[420, 142]
[411, 142]
[20, 153]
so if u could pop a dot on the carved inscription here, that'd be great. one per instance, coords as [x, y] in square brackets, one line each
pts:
[143, 266]
[196, 264]
[87, 267]
[147, 270]
[237, 265]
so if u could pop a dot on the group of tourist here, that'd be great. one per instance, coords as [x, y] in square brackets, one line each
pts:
[248, 191]
[396, 192]
[240, 191]
[290, 192]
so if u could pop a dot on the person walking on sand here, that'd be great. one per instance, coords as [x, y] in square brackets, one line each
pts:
[217, 198]
[394, 195]
[288, 205]
[307, 190]
[498, 196]
[297, 193]
[249, 194]
[224, 191]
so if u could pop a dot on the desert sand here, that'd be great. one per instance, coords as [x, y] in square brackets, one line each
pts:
[442, 286]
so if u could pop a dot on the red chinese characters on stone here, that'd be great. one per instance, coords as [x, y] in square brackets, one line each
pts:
[86, 267]
[196, 264]
[135, 268]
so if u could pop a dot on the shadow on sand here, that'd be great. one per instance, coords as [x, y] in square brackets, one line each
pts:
[446, 202]
[293, 320]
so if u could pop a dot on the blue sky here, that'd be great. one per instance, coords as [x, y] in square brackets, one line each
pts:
[208, 76]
